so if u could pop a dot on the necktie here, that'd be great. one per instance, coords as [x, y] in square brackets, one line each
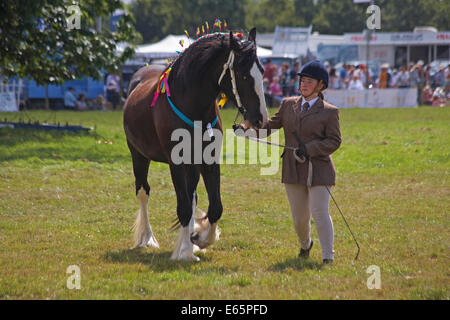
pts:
[305, 107]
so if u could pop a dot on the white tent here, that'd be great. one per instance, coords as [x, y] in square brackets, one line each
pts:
[168, 47]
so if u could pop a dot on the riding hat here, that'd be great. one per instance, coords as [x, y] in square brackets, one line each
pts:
[316, 70]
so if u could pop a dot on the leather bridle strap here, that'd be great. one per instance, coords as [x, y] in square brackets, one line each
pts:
[229, 65]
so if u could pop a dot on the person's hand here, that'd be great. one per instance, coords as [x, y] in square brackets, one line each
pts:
[300, 153]
[242, 127]
[238, 129]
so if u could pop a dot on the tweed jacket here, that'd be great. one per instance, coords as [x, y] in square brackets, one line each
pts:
[318, 128]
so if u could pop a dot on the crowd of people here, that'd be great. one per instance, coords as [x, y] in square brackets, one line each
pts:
[112, 101]
[432, 89]
[283, 81]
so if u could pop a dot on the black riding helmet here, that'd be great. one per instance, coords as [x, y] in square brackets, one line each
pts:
[316, 70]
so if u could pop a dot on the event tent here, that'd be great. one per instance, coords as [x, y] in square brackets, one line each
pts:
[170, 46]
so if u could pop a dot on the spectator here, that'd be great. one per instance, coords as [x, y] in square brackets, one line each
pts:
[275, 90]
[428, 79]
[269, 70]
[343, 77]
[384, 80]
[81, 102]
[413, 75]
[334, 80]
[420, 80]
[427, 95]
[70, 102]
[403, 80]
[326, 64]
[113, 89]
[294, 79]
[362, 75]
[99, 103]
[350, 70]
[447, 87]
[394, 81]
[439, 78]
[438, 101]
[355, 83]
[267, 95]
[284, 78]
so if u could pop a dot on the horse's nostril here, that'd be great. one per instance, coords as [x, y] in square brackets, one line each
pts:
[194, 236]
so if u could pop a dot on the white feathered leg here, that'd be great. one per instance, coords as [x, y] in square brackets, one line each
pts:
[143, 234]
[184, 248]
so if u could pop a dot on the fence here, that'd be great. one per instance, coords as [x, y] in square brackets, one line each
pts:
[372, 98]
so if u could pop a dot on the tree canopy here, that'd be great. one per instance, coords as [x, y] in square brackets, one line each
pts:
[36, 40]
[157, 18]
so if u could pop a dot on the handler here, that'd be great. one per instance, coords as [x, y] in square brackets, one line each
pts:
[313, 125]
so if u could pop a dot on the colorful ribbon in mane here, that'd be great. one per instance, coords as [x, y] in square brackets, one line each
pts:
[162, 86]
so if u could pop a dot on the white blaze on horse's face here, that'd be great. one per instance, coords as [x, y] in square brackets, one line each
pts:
[257, 76]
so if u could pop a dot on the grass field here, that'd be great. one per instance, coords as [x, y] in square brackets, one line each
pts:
[69, 199]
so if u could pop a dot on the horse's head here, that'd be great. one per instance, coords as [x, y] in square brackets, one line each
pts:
[244, 83]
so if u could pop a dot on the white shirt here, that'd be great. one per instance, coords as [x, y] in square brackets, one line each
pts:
[355, 85]
[403, 79]
[310, 102]
[113, 81]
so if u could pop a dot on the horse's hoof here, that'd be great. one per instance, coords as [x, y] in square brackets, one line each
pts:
[198, 249]
[152, 243]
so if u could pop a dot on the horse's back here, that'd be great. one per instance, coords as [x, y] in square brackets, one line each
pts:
[138, 118]
[144, 74]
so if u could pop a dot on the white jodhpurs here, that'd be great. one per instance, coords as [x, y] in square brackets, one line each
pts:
[311, 201]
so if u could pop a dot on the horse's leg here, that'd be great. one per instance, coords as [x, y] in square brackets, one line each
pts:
[185, 179]
[143, 234]
[207, 231]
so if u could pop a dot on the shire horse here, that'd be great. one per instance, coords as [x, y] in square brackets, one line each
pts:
[212, 65]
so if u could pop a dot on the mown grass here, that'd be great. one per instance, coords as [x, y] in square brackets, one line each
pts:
[68, 199]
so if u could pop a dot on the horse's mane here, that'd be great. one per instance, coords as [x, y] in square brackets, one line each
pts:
[194, 63]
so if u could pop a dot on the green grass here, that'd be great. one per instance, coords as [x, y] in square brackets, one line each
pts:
[68, 199]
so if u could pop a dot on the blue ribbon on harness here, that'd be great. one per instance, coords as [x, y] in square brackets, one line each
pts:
[186, 119]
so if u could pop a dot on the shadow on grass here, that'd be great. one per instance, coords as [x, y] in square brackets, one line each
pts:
[295, 264]
[157, 261]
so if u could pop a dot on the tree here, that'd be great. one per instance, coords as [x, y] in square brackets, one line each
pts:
[339, 17]
[36, 40]
[305, 11]
[404, 15]
[155, 19]
[266, 14]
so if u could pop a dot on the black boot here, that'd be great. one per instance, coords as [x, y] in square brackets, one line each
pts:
[327, 261]
[304, 254]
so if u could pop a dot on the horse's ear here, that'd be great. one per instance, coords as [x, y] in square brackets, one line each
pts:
[252, 35]
[234, 45]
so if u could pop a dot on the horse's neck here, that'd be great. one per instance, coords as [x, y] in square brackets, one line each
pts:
[198, 99]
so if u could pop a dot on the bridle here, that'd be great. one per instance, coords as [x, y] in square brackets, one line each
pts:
[229, 65]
